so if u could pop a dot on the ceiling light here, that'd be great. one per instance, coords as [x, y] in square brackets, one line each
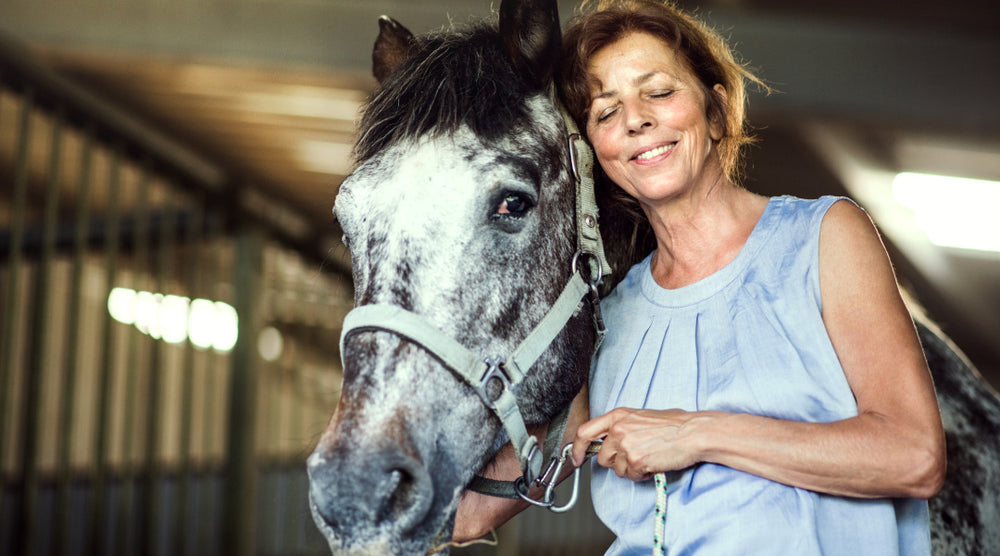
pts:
[325, 157]
[952, 212]
[306, 102]
[174, 319]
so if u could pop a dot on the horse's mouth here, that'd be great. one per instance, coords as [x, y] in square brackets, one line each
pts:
[321, 524]
[375, 548]
[378, 546]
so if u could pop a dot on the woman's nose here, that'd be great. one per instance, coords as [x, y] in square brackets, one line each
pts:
[637, 120]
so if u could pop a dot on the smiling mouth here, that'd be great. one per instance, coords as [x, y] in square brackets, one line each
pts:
[655, 152]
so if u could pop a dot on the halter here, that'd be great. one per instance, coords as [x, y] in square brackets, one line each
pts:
[496, 377]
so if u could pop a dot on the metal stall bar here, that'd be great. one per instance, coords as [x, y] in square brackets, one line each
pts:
[192, 236]
[282, 405]
[241, 466]
[68, 369]
[37, 359]
[12, 300]
[124, 543]
[152, 494]
[98, 501]
[212, 538]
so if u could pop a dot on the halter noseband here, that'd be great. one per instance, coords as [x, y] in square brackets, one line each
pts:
[496, 378]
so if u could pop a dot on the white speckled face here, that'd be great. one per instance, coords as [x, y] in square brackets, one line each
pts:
[432, 223]
[409, 217]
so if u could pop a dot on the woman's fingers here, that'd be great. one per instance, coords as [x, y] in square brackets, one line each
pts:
[595, 429]
[598, 428]
[636, 442]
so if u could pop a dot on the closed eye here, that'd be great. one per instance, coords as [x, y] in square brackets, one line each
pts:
[607, 113]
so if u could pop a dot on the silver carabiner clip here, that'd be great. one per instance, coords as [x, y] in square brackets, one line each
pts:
[552, 474]
[566, 451]
[521, 488]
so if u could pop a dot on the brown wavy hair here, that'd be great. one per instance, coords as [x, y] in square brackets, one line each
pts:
[601, 23]
[706, 53]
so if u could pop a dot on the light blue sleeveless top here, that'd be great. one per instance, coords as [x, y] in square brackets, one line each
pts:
[747, 339]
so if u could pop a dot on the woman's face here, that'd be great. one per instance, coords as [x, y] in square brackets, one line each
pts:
[647, 120]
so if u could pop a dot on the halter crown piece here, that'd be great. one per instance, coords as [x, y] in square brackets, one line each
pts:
[588, 233]
[495, 378]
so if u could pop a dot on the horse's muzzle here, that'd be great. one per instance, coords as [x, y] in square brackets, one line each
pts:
[369, 496]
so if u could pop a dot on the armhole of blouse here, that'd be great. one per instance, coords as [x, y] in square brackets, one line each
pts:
[818, 231]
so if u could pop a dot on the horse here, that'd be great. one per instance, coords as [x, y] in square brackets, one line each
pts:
[460, 217]
[460, 211]
[965, 514]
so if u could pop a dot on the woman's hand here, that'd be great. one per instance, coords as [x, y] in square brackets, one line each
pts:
[640, 442]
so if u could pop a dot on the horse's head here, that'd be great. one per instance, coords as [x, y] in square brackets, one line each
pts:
[461, 213]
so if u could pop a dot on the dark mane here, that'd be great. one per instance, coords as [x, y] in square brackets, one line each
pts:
[451, 79]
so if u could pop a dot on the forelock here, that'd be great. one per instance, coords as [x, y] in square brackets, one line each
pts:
[451, 79]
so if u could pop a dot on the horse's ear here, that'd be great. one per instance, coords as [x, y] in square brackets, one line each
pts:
[530, 30]
[391, 47]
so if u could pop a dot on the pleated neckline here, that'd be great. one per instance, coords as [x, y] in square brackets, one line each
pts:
[715, 282]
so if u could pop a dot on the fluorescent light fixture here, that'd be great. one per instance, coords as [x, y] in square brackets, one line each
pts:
[952, 212]
[174, 319]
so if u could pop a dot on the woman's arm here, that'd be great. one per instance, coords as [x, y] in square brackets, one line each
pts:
[478, 514]
[894, 447]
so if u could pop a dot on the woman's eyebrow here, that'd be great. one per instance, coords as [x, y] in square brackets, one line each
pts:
[645, 77]
[636, 82]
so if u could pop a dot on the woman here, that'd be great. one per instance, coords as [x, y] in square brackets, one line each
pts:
[761, 355]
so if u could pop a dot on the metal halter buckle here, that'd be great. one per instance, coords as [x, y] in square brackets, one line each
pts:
[494, 371]
[592, 280]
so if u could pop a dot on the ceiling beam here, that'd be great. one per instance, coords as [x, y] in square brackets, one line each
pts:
[836, 67]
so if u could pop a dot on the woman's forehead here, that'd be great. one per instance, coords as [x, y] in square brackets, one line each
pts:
[636, 57]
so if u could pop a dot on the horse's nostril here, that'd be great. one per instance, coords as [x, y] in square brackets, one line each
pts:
[397, 495]
[407, 494]
[396, 492]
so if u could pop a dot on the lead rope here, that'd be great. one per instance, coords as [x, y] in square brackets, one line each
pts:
[660, 514]
[660, 508]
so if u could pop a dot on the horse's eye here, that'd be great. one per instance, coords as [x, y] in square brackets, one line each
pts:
[514, 204]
